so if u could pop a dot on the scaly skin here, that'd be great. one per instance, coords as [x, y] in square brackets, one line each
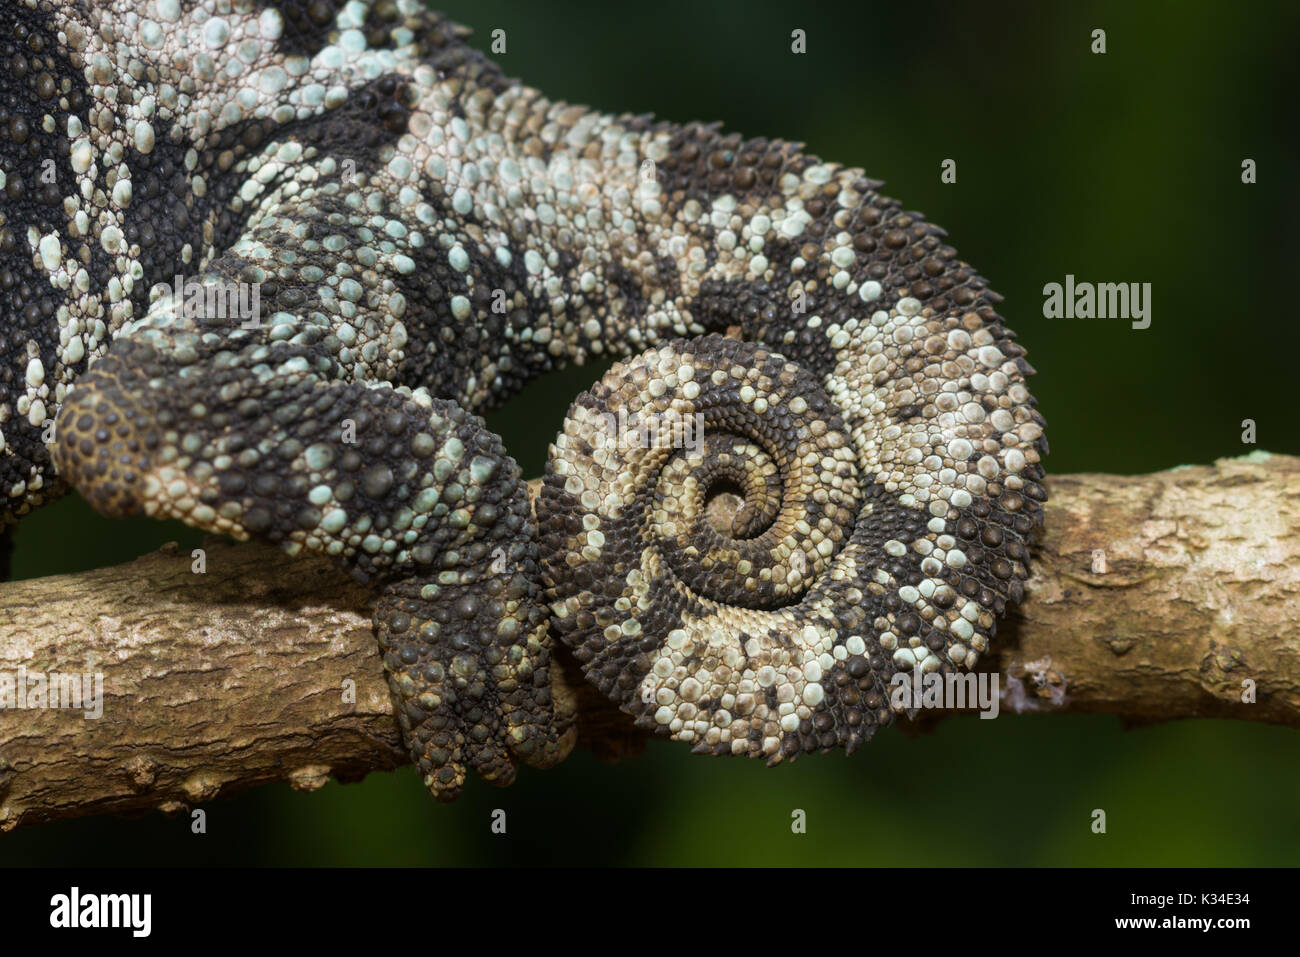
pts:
[425, 236]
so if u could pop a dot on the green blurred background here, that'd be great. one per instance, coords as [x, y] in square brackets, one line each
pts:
[1117, 167]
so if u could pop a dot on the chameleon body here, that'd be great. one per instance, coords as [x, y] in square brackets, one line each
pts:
[423, 236]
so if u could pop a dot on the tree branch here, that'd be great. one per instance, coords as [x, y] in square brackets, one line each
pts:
[221, 681]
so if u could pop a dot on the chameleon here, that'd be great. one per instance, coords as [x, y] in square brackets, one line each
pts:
[263, 263]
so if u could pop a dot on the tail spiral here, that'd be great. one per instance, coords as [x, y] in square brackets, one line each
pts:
[712, 570]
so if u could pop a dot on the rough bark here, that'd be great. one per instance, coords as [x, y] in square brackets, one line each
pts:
[219, 681]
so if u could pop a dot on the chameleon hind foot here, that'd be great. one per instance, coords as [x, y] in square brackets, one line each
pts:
[469, 668]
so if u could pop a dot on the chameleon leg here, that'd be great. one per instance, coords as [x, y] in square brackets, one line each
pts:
[245, 434]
